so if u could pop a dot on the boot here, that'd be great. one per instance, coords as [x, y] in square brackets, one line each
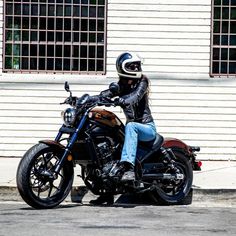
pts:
[129, 174]
[117, 169]
[108, 199]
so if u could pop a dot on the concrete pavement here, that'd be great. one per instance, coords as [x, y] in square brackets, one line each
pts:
[216, 180]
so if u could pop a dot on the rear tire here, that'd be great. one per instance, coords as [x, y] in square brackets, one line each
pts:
[174, 193]
[34, 180]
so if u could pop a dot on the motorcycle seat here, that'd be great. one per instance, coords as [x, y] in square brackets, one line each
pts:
[153, 144]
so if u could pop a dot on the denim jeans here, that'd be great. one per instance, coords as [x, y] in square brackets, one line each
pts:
[135, 132]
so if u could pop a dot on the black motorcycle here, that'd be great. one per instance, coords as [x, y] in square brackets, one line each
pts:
[93, 138]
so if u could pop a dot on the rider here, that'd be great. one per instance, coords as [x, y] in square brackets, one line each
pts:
[133, 98]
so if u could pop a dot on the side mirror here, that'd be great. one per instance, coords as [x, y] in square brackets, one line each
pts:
[114, 88]
[67, 87]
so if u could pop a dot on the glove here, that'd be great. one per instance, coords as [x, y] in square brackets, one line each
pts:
[119, 102]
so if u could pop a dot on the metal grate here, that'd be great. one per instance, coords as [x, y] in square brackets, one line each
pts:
[223, 45]
[55, 36]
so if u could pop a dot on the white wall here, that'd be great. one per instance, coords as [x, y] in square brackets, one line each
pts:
[1, 35]
[199, 112]
[174, 37]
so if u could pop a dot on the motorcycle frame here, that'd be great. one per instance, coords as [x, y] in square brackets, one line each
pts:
[168, 142]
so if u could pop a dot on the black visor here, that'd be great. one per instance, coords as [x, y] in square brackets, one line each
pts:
[133, 66]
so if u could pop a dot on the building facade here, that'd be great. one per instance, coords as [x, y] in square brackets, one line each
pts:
[189, 53]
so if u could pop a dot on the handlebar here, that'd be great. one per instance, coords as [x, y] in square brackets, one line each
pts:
[104, 101]
[70, 100]
[85, 99]
[90, 101]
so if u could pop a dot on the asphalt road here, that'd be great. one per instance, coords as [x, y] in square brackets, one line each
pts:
[71, 219]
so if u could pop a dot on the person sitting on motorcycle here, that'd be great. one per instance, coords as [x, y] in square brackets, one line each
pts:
[133, 98]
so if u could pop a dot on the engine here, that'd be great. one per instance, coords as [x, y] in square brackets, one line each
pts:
[105, 149]
[108, 153]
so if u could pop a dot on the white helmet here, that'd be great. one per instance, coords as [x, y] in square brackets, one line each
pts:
[128, 65]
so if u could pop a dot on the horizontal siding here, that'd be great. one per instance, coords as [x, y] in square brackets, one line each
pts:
[164, 28]
[1, 35]
[173, 37]
[198, 112]
[161, 2]
[159, 31]
[31, 112]
[159, 21]
[160, 6]
[161, 14]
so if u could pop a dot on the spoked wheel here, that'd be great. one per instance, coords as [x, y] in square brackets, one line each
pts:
[35, 177]
[174, 191]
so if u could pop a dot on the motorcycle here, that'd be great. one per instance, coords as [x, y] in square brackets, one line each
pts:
[92, 137]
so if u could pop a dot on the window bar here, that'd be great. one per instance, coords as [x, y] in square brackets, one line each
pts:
[36, 58]
[220, 33]
[229, 20]
[63, 38]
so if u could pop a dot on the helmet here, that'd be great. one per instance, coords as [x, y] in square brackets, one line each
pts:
[129, 65]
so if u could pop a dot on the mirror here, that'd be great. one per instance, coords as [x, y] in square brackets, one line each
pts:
[67, 87]
[114, 88]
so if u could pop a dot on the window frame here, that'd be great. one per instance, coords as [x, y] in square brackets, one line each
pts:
[223, 48]
[102, 46]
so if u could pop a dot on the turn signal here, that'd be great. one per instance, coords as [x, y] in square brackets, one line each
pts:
[69, 158]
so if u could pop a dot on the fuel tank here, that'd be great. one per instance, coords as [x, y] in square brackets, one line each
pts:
[105, 117]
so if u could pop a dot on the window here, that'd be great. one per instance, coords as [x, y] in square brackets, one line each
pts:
[55, 36]
[223, 47]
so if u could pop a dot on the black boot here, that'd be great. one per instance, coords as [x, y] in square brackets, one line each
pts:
[129, 174]
[108, 199]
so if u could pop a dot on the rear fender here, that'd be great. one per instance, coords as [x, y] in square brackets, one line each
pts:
[174, 143]
[178, 145]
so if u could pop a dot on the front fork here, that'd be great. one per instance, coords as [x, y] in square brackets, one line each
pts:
[70, 144]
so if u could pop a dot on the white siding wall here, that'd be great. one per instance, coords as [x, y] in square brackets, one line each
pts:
[173, 36]
[1, 35]
[199, 112]
[31, 112]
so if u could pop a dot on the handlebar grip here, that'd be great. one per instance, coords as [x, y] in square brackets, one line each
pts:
[195, 149]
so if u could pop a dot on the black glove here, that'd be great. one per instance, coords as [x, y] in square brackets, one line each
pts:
[119, 102]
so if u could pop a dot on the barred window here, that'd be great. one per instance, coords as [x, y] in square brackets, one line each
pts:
[223, 46]
[55, 36]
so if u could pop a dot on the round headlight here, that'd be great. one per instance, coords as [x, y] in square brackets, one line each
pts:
[69, 116]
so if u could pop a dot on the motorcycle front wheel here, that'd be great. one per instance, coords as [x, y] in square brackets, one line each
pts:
[35, 181]
[175, 191]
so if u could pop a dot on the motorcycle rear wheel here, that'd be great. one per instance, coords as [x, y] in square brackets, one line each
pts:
[34, 177]
[169, 193]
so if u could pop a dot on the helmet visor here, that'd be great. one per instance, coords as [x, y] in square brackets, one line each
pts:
[133, 66]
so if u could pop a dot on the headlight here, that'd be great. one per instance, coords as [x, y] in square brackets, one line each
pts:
[69, 116]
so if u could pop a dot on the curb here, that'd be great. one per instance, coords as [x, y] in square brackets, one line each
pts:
[198, 196]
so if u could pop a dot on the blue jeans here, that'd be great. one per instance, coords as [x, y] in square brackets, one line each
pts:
[135, 132]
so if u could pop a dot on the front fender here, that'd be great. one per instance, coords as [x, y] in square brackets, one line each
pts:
[174, 143]
[53, 143]
[56, 145]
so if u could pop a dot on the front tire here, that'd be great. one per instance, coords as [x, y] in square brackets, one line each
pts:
[169, 192]
[34, 177]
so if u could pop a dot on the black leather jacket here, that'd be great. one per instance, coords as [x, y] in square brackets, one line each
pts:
[136, 104]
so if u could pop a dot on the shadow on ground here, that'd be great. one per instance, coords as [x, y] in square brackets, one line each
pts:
[80, 195]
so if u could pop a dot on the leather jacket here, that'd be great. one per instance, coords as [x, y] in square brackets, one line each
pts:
[135, 101]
